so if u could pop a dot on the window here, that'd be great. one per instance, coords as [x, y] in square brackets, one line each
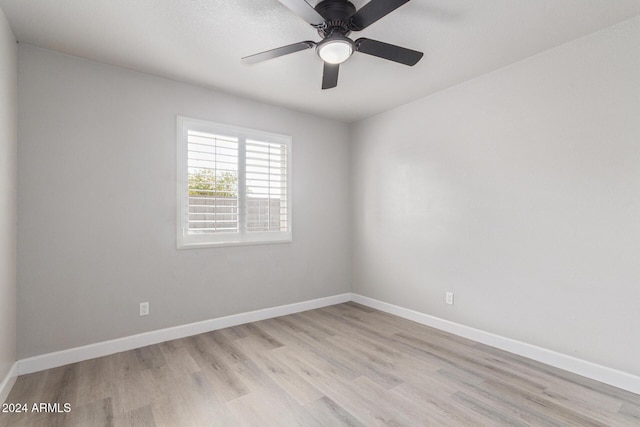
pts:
[234, 185]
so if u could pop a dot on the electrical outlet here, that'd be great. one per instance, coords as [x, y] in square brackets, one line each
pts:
[144, 308]
[449, 298]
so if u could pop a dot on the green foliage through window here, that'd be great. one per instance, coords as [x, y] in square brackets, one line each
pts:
[206, 182]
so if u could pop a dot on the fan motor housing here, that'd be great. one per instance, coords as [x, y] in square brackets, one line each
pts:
[335, 9]
[336, 14]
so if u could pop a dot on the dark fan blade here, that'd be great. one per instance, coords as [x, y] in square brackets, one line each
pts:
[388, 51]
[280, 51]
[372, 11]
[330, 75]
[304, 10]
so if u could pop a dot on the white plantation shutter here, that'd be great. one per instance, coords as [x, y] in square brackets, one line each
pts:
[212, 168]
[266, 186]
[234, 185]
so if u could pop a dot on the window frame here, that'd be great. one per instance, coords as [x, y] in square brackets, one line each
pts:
[186, 240]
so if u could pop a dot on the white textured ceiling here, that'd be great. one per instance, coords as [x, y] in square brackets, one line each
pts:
[202, 41]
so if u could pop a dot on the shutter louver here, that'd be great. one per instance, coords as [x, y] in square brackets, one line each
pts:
[266, 186]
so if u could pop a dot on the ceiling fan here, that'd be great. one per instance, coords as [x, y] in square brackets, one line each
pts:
[335, 20]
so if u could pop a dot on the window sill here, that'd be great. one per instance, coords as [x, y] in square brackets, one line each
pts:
[212, 244]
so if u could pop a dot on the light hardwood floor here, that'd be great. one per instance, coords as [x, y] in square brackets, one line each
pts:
[341, 365]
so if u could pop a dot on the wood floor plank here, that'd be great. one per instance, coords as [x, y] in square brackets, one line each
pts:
[582, 383]
[323, 354]
[390, 405]
[380, 371]
[225, 347]
[344, 365]
[141, 417]
[630, 412]
[256, 331]
[268, 399]
[281, 373]
[528, 399]
[98, 413]
[130, 392]
[441, 407]
[382, 354]
[178, 359]
[329, 413]
[526, 413]
[94, 381]
[467, 362]
[225, 380]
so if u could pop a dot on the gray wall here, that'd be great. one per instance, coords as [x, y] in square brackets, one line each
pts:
[8, 196]
[520, 192]
[97, 203]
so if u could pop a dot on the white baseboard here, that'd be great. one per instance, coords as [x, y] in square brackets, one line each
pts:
[8, 381]
[105, 348]
[572, 364]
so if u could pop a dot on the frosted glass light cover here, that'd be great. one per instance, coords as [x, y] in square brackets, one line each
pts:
[335, 51]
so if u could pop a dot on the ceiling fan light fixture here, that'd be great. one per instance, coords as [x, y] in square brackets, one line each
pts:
[335, 50]
[334, 20]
